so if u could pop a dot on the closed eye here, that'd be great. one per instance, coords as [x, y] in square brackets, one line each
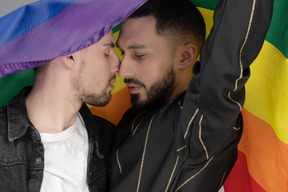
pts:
[140, 56]
[106, 55]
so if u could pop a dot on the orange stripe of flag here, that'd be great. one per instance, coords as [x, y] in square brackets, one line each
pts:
[115, 109]
[267, 155]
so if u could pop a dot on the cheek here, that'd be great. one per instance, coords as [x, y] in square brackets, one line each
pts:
[101, 66]
[104, 73]
[153, 70]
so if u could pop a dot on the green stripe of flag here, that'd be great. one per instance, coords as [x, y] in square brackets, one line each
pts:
[278, 32]
[208, 4]
[10, 85]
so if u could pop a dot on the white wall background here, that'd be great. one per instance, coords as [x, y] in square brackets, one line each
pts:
[221, 190]
[6, 6]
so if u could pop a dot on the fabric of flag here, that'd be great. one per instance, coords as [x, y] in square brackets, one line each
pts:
[41, 31]
[262, 164]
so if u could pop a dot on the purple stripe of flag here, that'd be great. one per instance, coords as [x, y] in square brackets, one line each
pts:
[78, 26]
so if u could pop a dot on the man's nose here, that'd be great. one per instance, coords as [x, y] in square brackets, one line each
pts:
[126, 69]
[115, 63]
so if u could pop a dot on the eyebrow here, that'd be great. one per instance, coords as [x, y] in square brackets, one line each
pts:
[135, 46]
[112, 45]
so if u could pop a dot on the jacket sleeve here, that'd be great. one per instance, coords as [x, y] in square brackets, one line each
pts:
[216, 92]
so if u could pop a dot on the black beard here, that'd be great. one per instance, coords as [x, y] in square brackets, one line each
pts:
[159, 92]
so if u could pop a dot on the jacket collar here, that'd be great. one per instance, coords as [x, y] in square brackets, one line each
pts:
[89, 122]
[18, 120]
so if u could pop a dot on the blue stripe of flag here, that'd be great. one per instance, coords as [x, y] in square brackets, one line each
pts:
[35, 15]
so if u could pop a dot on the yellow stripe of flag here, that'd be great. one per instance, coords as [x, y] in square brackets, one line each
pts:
[267, 93]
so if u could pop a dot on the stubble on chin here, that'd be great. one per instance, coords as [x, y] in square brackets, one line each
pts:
[97, 100]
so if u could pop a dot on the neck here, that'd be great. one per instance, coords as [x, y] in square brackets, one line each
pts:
[51, 108]
[182, 83]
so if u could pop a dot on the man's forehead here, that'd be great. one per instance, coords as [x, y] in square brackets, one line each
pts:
[135, 32]
[107, 39]
[138, 24]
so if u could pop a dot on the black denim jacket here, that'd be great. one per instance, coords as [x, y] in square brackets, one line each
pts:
[22, 152]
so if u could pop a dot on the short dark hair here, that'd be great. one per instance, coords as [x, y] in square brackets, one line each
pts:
[179, 20]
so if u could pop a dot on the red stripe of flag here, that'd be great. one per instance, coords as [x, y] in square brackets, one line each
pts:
[239, 179]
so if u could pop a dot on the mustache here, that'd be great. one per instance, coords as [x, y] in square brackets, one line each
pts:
[134, 81]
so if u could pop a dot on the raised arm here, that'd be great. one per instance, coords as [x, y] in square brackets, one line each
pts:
[210, 118]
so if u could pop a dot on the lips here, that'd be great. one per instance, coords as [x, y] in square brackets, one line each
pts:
[134, 85]
[133, 88]
[113, 79]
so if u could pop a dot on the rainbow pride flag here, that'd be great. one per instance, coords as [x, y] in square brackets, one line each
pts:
[262, 164]
[41, 31]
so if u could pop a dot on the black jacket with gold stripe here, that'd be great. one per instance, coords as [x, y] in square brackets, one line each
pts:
[190, 142]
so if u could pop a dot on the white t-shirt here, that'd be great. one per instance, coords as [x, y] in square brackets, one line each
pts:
[66, 153]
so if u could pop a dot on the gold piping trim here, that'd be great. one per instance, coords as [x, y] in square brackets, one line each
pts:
[222, 180]
[118, 161]
[229, 96]
[137, 127]
[194, 175]
[181, 148]
[190, 123]
[132, 127]
[144, 151]
[240, 55]
[236, 129]
[170, 179]
[200, 130]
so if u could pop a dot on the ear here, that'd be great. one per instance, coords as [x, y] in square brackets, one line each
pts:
[188, 55]
[70, 61]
